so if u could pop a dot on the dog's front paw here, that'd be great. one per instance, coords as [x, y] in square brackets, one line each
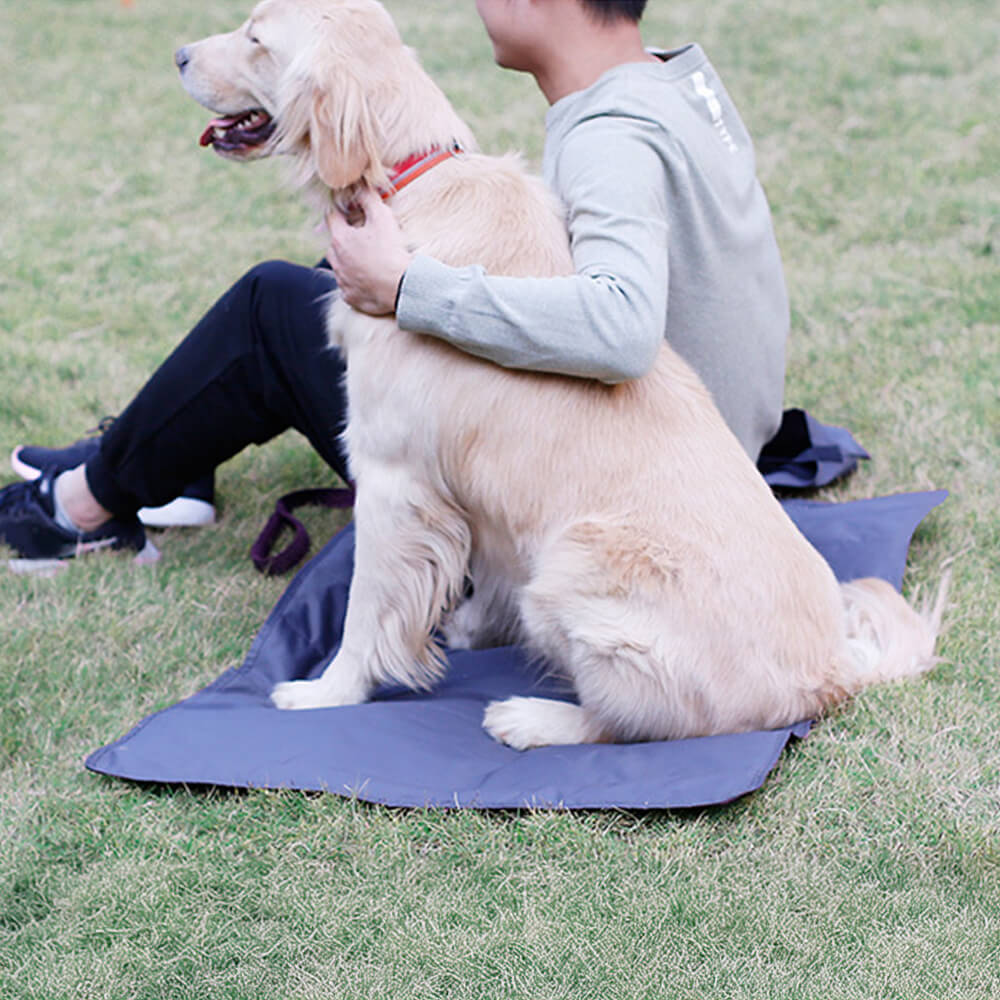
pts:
[462, 626]
[456, 637]
[473, 625]
[311, 694]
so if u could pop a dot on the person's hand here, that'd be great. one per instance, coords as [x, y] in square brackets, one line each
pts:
[368, 260]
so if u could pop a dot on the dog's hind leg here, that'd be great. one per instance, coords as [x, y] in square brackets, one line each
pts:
[411, 549]
[523, 723]
[599, 611]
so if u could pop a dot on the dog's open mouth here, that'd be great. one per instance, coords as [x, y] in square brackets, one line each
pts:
[238, 133]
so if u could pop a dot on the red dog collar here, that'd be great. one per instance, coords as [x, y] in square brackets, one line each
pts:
[408, 170]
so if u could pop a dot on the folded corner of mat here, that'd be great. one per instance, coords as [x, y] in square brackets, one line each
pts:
[429, 749]
[805, 454]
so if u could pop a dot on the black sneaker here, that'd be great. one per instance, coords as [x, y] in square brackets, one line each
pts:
[194, 507]
[28, 526]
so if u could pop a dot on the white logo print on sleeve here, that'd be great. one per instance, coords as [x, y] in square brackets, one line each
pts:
[702, 89]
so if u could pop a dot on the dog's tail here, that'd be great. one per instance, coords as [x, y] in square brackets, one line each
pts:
[886, 637]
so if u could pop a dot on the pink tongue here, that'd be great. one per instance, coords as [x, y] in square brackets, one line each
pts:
[208, 136]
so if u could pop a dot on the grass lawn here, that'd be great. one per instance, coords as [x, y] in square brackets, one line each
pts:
[868, 865]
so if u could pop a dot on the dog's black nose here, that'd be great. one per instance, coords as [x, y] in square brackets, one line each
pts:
[181, 58]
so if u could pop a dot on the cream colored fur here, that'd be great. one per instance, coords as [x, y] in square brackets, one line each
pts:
[619, 532]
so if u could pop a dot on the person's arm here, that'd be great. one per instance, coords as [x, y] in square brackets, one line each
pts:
[607, 320]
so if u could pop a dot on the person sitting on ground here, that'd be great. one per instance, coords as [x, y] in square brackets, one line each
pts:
[671, 235]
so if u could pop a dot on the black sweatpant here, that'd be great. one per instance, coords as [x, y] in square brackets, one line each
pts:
[256, 364]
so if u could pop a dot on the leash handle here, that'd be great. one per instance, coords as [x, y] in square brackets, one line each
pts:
[295, 551]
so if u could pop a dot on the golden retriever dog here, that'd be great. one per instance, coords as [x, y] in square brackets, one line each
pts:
[619, 532]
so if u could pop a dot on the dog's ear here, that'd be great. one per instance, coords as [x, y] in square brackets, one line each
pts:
[343, 135]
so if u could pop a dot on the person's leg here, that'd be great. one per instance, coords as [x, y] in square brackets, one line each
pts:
[193, 507]
[256, 364]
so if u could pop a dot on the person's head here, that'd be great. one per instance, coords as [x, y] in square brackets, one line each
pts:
[615, 10]
[524, 32]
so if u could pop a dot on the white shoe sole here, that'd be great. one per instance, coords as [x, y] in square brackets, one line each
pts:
[183, 512]
[50, 567]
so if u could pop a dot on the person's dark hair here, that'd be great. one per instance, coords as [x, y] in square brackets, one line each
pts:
[616, 10]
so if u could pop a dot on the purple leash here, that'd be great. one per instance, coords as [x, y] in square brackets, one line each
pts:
[295, 551]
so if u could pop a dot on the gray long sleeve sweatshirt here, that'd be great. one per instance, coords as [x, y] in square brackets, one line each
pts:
[671, 236]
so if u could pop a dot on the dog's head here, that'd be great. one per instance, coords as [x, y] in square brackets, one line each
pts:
[322, 80]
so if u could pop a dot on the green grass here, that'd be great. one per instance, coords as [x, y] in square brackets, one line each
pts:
[867, 866]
